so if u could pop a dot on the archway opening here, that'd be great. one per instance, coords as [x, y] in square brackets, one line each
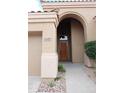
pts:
[70, 40]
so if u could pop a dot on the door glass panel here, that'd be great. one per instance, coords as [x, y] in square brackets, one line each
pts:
[64, 38]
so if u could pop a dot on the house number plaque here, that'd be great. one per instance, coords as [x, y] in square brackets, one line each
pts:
[47, 39]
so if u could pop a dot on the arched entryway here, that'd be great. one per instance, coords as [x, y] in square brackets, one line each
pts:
[70, 40]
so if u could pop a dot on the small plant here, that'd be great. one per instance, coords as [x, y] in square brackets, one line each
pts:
[57, 78]
[51, 84]
[61, 68]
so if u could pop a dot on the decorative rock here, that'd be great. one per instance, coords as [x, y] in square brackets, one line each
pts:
[58, 86]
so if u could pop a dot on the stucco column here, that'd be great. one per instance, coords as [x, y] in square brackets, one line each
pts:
[49, 57]
[91, 30]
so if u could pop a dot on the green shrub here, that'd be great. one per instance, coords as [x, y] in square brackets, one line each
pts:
[90, 49]
[57, 78]
[61, 68]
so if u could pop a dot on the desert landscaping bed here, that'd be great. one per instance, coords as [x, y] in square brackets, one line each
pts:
[57, 85]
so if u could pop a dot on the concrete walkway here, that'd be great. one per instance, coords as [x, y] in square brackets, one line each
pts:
[77, 81]
[33, 83]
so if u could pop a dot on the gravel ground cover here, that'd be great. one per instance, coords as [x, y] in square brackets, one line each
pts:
[57, 85]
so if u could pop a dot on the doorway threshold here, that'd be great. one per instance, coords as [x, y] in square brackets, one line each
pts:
[65, 62]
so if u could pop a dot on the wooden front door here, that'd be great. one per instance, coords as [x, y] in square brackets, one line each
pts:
[64, 41]
[63, 51]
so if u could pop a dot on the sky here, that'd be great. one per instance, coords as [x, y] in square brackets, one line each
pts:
[34, 5]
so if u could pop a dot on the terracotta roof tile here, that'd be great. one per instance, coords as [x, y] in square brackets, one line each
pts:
[37, 11]
[69, 1]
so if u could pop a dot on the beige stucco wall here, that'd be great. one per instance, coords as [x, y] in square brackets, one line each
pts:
[34, 53]
[84, 11]
[46, 61]
[77, 42]
[86, 19]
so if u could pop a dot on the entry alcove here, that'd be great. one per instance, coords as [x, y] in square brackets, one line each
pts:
[70, 40]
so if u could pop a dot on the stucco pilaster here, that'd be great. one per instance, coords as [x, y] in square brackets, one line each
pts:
[49, 58]
[49, 39]
[91, 31]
